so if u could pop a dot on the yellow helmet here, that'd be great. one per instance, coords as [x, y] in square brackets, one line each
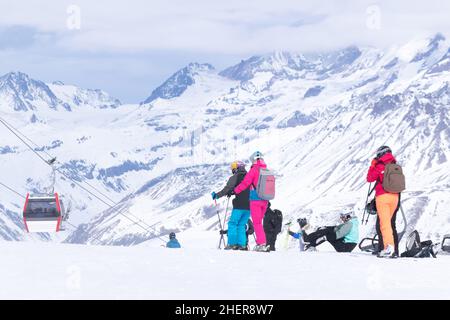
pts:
[236, 164]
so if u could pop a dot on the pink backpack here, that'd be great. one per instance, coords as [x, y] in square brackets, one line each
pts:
[266, 184]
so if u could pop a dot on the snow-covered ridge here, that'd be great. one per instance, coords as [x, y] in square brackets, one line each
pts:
[293, 64]
[76, 97]
[22, 93]
[19, 92]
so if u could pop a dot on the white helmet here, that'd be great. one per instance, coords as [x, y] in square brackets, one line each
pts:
[256, 156]
[347, 215]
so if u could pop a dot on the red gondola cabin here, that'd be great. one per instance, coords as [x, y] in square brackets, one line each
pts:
[43, 213]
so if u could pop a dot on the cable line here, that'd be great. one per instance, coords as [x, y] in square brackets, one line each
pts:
[18, 134]
[12, 190]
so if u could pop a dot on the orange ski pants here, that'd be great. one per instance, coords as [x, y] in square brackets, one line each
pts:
[386, 205]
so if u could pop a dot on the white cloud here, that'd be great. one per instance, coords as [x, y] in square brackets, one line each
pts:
[233, 27]
[141, 42]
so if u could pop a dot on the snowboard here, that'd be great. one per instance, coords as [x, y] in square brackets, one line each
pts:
[446, 243]
[286, 236]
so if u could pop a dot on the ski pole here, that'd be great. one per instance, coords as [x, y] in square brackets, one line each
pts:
[224, 222]
[367, 218]
[405, 223]
[365, 204]
[220, 223]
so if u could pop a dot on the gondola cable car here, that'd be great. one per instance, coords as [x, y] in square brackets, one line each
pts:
[44, 212]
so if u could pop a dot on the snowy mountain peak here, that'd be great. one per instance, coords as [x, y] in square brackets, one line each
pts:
[290, 64]
[280, 59]
[179, 81]
[422, 48]
[438, 37]
[434, 43]
[195, 67]
[23, 93]
[19, 92]
[343, 57]
[79, 97]
[14, 76]
[275, 62]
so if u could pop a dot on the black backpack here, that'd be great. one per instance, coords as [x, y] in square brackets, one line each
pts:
[278, 220]
[418, 249]
[371, 207]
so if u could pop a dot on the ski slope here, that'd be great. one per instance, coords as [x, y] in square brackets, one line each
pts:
[200, 271]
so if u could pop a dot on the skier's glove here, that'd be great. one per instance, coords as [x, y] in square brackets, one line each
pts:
[223, 231]
[374, 163]
[214, 196]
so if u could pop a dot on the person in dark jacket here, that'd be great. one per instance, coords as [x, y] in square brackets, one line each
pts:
[273, 220]
[343, 237]
[173, 242]
[237, 239]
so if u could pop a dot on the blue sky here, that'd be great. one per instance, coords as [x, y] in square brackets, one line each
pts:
[127, 48]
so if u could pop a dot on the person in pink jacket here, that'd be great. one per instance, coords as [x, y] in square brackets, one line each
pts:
[258, 207]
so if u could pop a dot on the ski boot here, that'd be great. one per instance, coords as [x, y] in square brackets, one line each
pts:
[310, 248]
[389, 252]
[261, 248]
[231, 247]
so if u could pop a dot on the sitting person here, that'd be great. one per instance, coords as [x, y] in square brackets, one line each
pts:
[173, 242]
[343, 237]
[248, 231]
[272, 222]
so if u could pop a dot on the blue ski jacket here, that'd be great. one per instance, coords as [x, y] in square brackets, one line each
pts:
[349, 231]
[173, 243]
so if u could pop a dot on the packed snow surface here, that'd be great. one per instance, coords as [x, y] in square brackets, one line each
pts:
[200, 271]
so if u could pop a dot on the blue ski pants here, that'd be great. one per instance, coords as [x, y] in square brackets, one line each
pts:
[237, 227]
